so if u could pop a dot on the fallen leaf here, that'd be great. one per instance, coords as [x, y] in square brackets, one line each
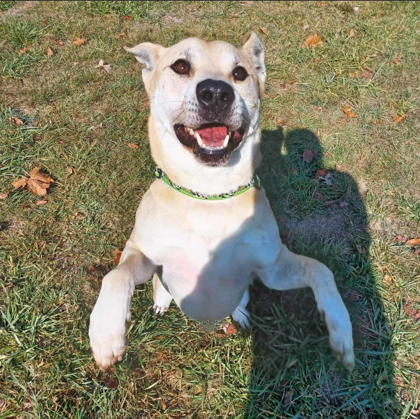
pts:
[110, 382]
[229, 328]
[20, 183]
[3, 195]
[127, 17]
[17, 121]
[308, 155]
[388, 279]
[121, 35]
[35, 174]
[57, 43]
[399, 119]
[103, 65]
[367, 74]
[42, 202]
[133, 146]
[351, 33]
[22, 50]
[117, 257]
[282, 122]
[264, 30]
[354, 74]
[37, 187]
[396, 60]
[69, 171]
[91, 269]
[44, 23]
[348, 112]
[312, 41]
[50, 52]
[401, 238]
[407, 309]
[163, 406]
[253, 18]
[359, 248]
[321, 172]
[305, 27]
[413, 242]
[78, 41]
[288, 397]
[374, 122]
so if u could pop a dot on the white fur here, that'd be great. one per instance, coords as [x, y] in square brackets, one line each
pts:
[206, 252]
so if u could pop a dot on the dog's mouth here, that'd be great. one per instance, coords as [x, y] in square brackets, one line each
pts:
[212, 144]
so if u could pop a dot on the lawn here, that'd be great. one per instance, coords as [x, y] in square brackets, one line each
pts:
[353, 206]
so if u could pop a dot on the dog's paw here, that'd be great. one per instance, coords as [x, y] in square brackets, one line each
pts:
[341, 340]
[241, 316]
[160, 309]
[107, 337]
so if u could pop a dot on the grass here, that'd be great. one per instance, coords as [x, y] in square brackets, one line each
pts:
[52, 257]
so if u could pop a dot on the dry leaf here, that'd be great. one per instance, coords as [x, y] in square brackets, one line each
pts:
[69, 171]
[229, 328]
[35, 174]
[121, 35]
[367, 74]
[42, 202]
[57, 43]
[22, 50]
[37, 187]
[359, 248]
[305, 27]
[321, 172]
[264, 30]
[117, 257]
[348, 112]
[312, 41]
[396, 60]
[110, 382]
[281, 122]
[127, 17]
[17, 121]
[103, 65]
[163, 406]
[407, 309]
[388, 279]
[399, 119]
[351, 33]
[401, 238]
[91, 269]
[413, 242]
[50, 52]
[354, 74]
[308, 155]
[78, 41]
[253, 18]
[3, 195]
[20, 183]
[133, 146]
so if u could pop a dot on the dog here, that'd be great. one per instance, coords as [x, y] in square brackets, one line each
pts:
[205, 228]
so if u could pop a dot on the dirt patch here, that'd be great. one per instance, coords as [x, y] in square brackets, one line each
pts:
[19, 9]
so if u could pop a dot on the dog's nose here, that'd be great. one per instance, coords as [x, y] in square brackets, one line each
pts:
[215, 95]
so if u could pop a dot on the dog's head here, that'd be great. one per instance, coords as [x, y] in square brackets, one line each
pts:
[204, 96]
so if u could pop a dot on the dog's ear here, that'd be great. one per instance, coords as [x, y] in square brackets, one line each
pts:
[148, 54]
[254, 48]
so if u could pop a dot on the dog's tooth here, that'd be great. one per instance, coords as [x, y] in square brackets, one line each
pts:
[190, 131]
[226, 142]
[199, 140]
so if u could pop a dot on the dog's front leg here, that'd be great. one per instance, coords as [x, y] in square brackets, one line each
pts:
[112, 309]
[292, 271]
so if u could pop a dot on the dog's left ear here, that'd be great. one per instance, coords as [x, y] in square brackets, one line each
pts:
[254, 48]
[148, 54]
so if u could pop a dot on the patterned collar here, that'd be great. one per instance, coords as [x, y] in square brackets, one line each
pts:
[255, 182]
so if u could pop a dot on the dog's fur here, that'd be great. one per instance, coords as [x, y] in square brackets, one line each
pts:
[203, 254]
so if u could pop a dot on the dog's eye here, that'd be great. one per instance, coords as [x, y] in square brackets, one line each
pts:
[181, 67]
[239, 73]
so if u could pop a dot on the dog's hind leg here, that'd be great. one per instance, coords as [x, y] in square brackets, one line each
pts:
[292, 271]
[241, 314]
[161, 297]
[112, 309]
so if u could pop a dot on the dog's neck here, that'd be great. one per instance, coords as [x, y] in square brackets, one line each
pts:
[183, 169]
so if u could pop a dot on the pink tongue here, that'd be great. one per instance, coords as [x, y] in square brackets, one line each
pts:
[213, 136]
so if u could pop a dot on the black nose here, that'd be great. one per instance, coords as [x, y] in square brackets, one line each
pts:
[215, 95]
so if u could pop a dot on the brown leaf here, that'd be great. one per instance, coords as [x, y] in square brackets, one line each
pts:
[35, 174]
[103, 65]
[401, 238]
[121, 35]
[133, 146]
[117, 257]
[359, 248]
[21, 183]
[348, 112]
[407, 309]
[321, 172]
[78, 41]
[110, 382]
[264, 31]
[37, 187]
[69, 171]
[305, 26]
[399, 119]
[388, 279]
[22, 50]
[17, 121]
[396, 60]
[308, 155]
[351, 33]
[91, 269]
[3, 195]
[127, 17]
[253, 18]
[312, 41]
[413, 242]
[229, 328]
[354, 74]
[367, 74]
[42, 202]
[163, 406]
[58, 43]
[50, 52]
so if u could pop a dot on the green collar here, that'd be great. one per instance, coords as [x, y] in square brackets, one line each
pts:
[255, 182]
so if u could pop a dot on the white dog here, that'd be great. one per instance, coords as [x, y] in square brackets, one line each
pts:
[205, 227]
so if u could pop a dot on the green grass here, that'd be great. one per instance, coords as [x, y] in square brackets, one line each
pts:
[173, 368]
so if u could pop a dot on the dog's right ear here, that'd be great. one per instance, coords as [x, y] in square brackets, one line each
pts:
[148, 54]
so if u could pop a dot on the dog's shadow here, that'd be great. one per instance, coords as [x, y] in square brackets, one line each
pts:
[320, 214]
